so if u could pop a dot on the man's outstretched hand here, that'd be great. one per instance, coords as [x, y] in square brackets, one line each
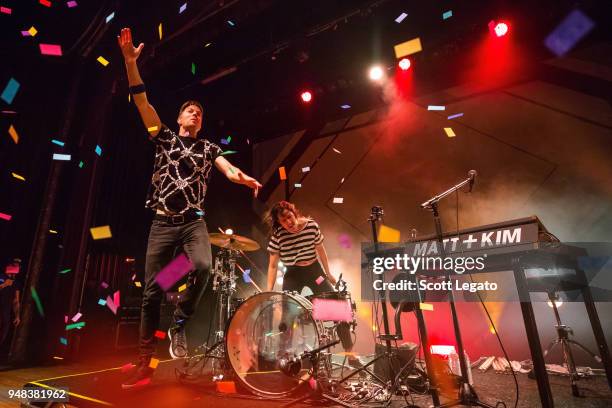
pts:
[130, 53]
[249, 182]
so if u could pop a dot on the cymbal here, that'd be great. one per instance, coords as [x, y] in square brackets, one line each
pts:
[233, 241]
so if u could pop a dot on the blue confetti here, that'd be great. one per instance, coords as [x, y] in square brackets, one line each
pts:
[64, 341]
[231, 23]
[58, 142]
[455, 116]
[200, 213]
[345, 106]
[102, 302]
[10, 91]
[435, 108]
[571, 30]
[447, 14]
[110, 17]
[401, 18]
[246, 277]
[183, 8]
[64, 157]
[98, 150]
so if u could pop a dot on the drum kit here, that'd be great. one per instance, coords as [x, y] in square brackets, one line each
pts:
[270, 343]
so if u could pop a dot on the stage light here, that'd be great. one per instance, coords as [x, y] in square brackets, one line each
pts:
[404, 64]
[376, 73]
[306, 96]
[229, 231]
[442, 350]
[558, 303]
[498, 28]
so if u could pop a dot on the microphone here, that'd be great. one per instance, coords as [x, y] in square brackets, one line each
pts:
[472, 174]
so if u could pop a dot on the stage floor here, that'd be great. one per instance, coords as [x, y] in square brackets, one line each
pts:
[94, 385]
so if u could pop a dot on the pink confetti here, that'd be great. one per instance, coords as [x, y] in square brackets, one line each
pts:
[104, 285]
[111, 305]
[26, 33]
[345, 241]
[5, 216]
[332, 310]
[71, 4]
[320, 280]
[76, 317]
[65, 319]
[5, 10]
[51, 49]
[175, 270]
[116, 298]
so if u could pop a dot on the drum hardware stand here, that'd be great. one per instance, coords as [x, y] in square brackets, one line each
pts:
[467, 394]
[224, 283]
[563, 333]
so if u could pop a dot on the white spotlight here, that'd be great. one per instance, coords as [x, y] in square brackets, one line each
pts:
[376, 73]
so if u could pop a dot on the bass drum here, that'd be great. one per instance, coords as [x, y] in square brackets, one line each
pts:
[266, 329]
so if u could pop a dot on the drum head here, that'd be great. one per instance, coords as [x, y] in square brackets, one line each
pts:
[267, 328]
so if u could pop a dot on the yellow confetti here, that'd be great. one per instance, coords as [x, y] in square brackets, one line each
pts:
[138, 284]
[426, 306]
[33, 31]
[58, 358]
[282, 173]
[449, 132]
[52, 231]
[129, 98]
[159, 28]
[102, 60]
[154, 362]
[407, 48]
[13, 134]
[183, 287]
[101, 232]
[388, 234]
[152, 129]
[18, 177]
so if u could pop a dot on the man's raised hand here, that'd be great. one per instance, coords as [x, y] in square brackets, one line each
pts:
[130, 53]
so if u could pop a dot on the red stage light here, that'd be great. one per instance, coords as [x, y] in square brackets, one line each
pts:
[501, 29]
[404, 64]
[306, 96]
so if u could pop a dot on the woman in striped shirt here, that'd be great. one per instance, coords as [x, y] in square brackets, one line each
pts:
[297, 241]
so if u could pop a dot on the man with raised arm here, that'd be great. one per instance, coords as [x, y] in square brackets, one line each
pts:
[180, 178]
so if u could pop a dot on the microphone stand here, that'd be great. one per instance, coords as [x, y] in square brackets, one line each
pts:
[467, 394]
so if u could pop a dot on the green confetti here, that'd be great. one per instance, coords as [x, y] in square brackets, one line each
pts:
[193, 68]
[228, 152]
[37, 301]
[231, 169]
[81, 165]
[229, 139]
[75, 325]
[65, 270]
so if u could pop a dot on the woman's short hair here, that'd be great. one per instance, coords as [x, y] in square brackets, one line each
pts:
[276, 211]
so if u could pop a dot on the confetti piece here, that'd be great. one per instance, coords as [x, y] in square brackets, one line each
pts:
[71, 4]
[62, 157]
[51, 49]
[102, 302]
[336, 150]
[449, 132]
[207, 45]
[447, 14]
[65, 271]
[37, 301]
[52, 231]
[78, 325]
[110, 17]
[10, 90]
[98, 150]
[407, 48]
[193, 68]
[228, 152]
[104, 285]
[160, 334]
[116, 298]
[6, 10]
[281, 173]
[224, 141]
[231, 23]
[14, 134]
[297, 185]
[102, 232]
[152, 129]
[305, 169]
[338, 200]
[319, 280]
[46, 3]
[345, 106]
[65, 319]
[200, 213]
[138, 284]
[111, 305]
[25, 34]
[5, 216]
[388, 234]
[102, 61]
[81, 165]
[435, 108]
[332, 310]
[175, 270]
[426, 306]
[76, 317]
[58, 358]
[182, 287]
[401, 18]
[58, 142]
[32, 31]
[154, 362]
[457, 115]
[567, 34]
[229, 139]
[64, 341]
[245, 277]
[18, 177]
[345, 241]
[183, 8]
[159, 30]
[226, 387]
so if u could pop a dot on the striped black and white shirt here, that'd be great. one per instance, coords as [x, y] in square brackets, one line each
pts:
[296, 247]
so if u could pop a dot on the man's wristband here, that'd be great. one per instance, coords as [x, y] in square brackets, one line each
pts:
[137, 89]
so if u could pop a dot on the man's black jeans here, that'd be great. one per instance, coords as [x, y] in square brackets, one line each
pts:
[164, 237]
